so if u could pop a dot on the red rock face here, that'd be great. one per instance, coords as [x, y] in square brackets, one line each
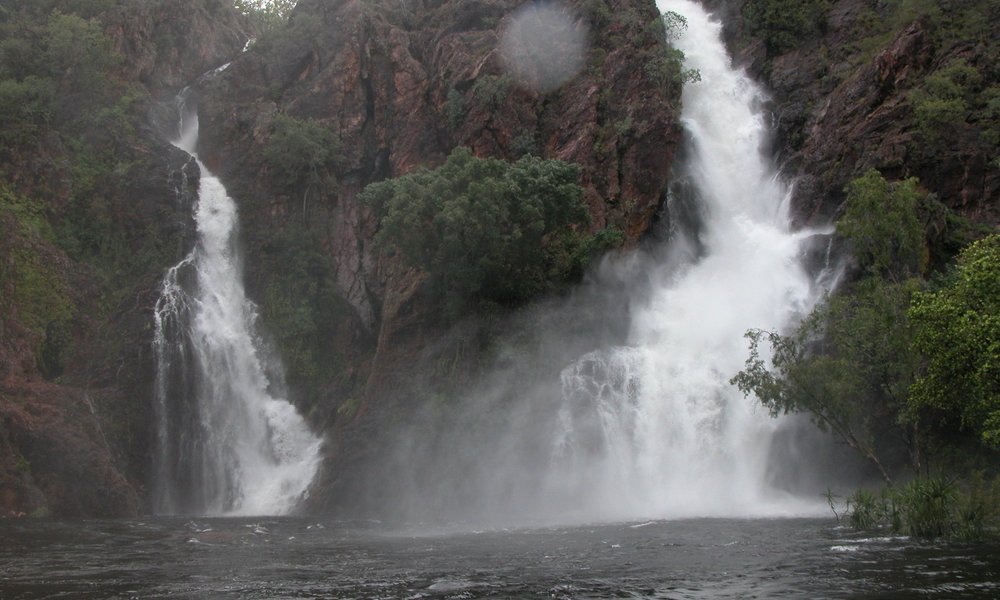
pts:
[56, 458]
[403, 90]
[167, 44]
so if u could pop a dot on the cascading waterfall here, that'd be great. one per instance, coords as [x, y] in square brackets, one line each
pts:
[653, 428]
[227, 443]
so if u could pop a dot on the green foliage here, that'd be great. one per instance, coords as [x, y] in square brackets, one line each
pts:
[301, 307]
[851, 363]
[868, 510]
[597, 12]
[486, 229]
[266, 14]
[454, 108]
[79, 56]
[881, 222]
[943, 104]
[523, 144]
[957, 329]
[929, 508]
[492, 90]
[68, 136]
[301, 151]
[785, 24]
[288, 39]
[847, 364]
[674, 25]
[25, 107]
[667, 70]
[38, 291]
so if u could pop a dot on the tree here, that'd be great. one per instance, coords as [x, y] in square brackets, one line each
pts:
[485, 229]
[785, 24]
[850, 364]
[881, 221]
[957, 329]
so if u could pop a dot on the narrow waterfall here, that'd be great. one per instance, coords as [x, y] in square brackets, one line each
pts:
[227, 444]
[653, 428]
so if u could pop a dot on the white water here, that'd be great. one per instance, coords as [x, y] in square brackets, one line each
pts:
[654, 428]
[227, 443]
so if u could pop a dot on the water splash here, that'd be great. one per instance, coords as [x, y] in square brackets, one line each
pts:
[653, 427]
[228, 444]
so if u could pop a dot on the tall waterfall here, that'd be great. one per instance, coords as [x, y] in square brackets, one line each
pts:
[653, 427]
[227, 444]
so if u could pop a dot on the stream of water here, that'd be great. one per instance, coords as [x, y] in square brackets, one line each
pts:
[227, 442]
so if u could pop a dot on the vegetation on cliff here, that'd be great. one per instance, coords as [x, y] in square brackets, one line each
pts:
[486, 229]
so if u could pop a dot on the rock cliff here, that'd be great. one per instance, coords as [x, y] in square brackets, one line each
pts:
[853, 93]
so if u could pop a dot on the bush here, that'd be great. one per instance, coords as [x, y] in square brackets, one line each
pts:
[485, 229]
[785, 24]
[301, 152]
[39, 293]
[266, 14]
[301, 307]
[957, 330]
[881, 222]
[929, 508]
[942, 106]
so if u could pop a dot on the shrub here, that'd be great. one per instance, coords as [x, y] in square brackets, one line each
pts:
[491, 90]
[929, 508]
[266, 14]
[957, 330]
[881, 222]
[301, 152]
[785, 24]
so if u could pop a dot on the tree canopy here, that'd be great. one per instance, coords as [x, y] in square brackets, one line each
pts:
[957, 330]
[486, 229]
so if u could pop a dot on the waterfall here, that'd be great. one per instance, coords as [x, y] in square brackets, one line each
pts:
[227, 444]
[654, 427]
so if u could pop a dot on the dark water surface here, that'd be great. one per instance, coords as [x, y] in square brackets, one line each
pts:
[309, 558]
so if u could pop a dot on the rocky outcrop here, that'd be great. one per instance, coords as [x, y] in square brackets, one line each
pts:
[401, 85]
[55, 457]
[167, 45]
[844, 102]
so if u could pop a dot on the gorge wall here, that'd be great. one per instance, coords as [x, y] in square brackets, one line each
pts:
[400, 88]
